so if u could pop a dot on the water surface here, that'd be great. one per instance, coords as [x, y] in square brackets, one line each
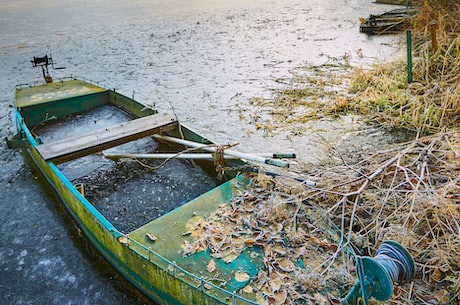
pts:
[201, 60]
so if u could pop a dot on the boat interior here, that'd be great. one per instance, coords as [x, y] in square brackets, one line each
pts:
[141, 198]
[129, 193]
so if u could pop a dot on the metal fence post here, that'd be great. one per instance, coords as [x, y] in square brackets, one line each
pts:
[409, 56]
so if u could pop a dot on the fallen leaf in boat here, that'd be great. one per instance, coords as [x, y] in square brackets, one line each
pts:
[270, 300]
[227, 256]
[276, 282]
[151, 237]
[286, 265]
[249, 242]
[248, 289]
[320, 299]
[211, 266]
[241, 276]
[260, 298]
[281, 296]
[230, 257]
[187, 247]
[328, 246]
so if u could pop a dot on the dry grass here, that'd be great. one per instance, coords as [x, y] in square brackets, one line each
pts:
[430, 103]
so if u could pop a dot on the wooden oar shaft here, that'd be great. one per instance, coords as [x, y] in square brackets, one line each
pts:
[228, 152]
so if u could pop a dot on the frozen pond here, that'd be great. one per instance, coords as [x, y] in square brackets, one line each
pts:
[202, 60]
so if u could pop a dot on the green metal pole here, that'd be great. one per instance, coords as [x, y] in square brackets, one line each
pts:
[409, 56]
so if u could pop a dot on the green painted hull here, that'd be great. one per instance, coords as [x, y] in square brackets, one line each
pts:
[158, 274]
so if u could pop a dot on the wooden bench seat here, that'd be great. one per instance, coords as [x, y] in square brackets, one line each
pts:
[104, 138]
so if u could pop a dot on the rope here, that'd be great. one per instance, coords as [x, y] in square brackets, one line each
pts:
[219, 161]
[395, 262]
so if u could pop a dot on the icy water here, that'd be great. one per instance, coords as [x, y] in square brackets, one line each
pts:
[202, 60]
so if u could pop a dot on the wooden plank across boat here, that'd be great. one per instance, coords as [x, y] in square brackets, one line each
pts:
[393, 2]
[119, 206]
[104, 138]
[390, 22]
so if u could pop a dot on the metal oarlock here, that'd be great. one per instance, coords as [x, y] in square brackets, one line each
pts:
[392, 263]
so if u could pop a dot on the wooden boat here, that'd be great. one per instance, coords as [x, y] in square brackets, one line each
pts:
[390, 22]
[63, 126]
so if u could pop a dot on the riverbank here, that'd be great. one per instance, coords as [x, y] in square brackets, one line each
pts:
[406, 189]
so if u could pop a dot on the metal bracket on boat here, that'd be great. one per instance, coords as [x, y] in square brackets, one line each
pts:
[80, 188]
[44, 62]
[15, 142]
[376, 275]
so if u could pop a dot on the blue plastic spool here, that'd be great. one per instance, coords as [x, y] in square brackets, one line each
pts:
[392, 263]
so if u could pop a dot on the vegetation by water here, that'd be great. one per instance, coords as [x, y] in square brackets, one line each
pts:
[407, 192]
[427, 105]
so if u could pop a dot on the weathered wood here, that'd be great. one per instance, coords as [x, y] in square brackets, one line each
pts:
[104, 138]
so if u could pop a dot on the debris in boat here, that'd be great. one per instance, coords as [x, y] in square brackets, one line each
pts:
[151, 237]
[242, 276]
[390, 22]
[276, 228]
[211, 267]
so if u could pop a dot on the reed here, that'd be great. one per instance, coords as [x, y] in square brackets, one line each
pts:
[429, 104]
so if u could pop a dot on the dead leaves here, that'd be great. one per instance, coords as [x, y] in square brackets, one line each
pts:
[272, 223]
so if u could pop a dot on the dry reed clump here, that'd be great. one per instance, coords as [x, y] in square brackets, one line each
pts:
[408, 193]
[430, 103]
[304, 100]
[443, 13]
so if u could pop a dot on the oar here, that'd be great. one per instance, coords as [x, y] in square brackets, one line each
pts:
[198, 156]
[227, 152]
[277, 155]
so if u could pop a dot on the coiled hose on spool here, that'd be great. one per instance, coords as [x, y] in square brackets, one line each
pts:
[376, 275]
